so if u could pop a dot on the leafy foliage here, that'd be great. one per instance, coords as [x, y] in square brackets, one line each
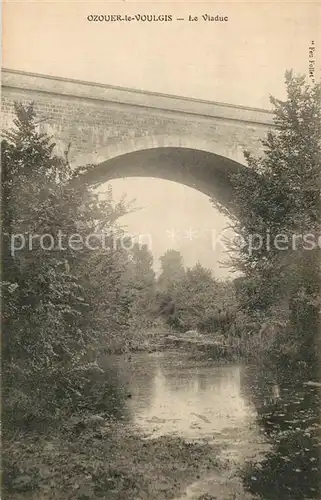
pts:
[55, 296]
[192, 299]
[278, 213]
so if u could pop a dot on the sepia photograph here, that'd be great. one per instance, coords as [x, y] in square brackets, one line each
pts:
[161, 250]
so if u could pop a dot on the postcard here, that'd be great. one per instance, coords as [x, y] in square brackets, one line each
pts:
[161, 174]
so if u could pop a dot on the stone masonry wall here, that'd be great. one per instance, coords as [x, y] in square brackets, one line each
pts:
[92, 124]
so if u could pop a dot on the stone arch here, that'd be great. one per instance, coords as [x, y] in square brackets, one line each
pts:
[200, 164]
[115, 150]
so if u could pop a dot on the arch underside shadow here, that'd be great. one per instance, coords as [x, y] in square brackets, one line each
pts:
[207, 172]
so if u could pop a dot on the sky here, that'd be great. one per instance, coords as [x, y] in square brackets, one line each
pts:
[241, 61]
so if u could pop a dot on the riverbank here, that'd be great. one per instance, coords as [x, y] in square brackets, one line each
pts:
[141, 445]
[97, 459]
[171, 427]
[160, 339]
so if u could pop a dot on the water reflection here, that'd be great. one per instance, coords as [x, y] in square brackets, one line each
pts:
[288, 413]
[266, 420]
[130, 378]
[193, 404]
[172, 394]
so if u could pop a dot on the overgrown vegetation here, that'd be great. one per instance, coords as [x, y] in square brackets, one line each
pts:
[192, 299]
[56, 301]
[63, 303]
[277, 223]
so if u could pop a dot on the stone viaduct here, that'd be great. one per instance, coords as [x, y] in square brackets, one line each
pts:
[126, 132]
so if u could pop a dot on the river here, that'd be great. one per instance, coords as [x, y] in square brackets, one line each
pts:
[266, 422]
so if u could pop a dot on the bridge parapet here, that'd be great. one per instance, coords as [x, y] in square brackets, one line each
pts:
[132, 97]
[127, 132]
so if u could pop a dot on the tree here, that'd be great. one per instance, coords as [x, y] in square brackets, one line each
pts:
[139, 286]
[196, 300]
[194, 297]
[172, 268]
[50, 289]
[278, 203]
[140, 267]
